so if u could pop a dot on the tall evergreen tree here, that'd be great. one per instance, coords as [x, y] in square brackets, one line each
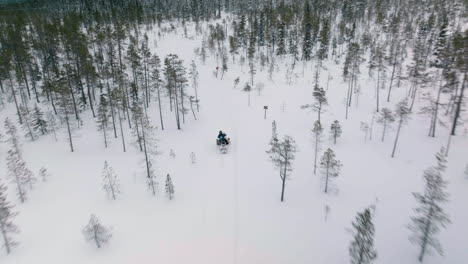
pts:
[362, 249]
[330, 167]
[39, 123]
[7, 227]
[430, 216]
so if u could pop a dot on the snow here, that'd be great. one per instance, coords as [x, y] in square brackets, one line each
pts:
[226, 207]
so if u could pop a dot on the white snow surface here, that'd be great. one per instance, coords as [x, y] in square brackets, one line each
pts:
[227, 208]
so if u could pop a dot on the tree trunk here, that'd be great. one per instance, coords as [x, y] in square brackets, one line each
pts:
[6, 242]
[459, 106]
[121, 129]
[16, 101]
[396, 138]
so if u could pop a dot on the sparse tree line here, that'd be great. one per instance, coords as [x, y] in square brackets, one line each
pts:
[428, 219]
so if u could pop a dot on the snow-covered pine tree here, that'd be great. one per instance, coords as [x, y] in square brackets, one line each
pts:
[274, 137]
[430, 216]
[320, 101]
[151, 180]
[110, 182]
[193, 73]
[169, 187]
[103, 116]
[38, 121]
[402, 113]
[7, 227]
[282, 158]
[330, 166]
[12, 136]
[21, 176]
[156, 81]
[317, 132]
[361, 250]
[335, 130]
[27, 123]
[386, 118]
[43, 174]
[95, 231]
[52, 123]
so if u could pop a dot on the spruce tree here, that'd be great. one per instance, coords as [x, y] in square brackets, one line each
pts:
[7, 227]
[362, 249]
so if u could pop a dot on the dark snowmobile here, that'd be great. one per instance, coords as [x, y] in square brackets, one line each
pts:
[222, 142]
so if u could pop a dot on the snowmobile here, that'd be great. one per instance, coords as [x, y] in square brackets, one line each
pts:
[223, 145]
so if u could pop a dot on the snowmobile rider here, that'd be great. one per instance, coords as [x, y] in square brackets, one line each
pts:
[222, 138]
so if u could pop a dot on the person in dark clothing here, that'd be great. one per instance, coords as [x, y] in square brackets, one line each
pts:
[222, 138]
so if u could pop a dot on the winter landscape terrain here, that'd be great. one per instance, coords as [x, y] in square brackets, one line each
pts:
[84, 88]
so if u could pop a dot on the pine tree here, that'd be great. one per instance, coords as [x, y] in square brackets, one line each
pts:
[281, 39]
[320, 101]
[335, 130]
[156, 80]
[52, 123]
[330, 166]
[21, 176]
[282, 157]
[95, 231]
[7, 227]
[27, 123]
[169, 187]
[195, 76]
[151, 180]
[12, 136]
[38, 121]
[430, 216]
[317, 131]
[386, 118]
[402, 113]
[362, 249]
[103, 116]
[110, 181]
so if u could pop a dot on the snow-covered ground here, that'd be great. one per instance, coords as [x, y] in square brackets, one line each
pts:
[227, 208]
